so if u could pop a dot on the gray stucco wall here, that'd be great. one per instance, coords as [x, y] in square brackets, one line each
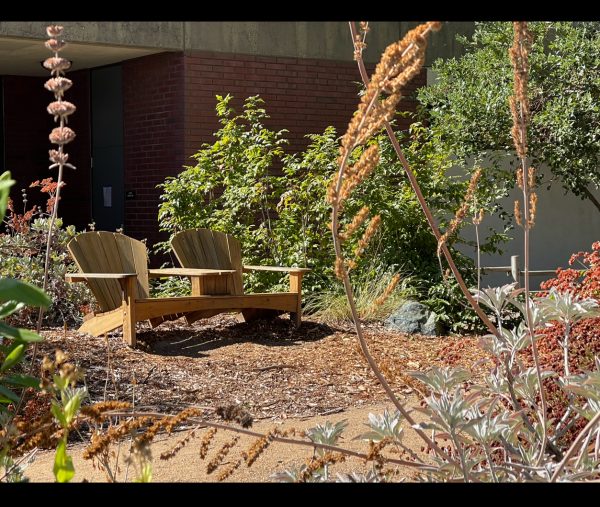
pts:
[564, 224]
[303, 39]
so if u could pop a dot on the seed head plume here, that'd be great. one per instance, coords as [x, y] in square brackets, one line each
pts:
[519, 102]
[462, 211]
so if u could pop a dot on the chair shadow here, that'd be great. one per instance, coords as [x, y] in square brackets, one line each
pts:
[198, 340]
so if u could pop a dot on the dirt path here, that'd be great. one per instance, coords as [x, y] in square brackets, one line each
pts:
[187, 466]
[281, 375]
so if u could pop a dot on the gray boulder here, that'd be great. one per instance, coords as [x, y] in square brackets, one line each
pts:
[413, 317]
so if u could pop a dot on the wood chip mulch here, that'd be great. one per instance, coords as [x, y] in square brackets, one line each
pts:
[270, 368]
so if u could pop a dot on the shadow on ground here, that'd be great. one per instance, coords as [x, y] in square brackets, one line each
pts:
[198, 340]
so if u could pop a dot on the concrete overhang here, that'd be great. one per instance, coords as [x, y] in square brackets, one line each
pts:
[90, 44]
[23, 57]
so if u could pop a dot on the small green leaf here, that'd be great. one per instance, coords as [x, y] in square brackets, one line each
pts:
[57, 412]
[5, 183]
[9, 308]
[146, 475]
[60, 382]
[13, 357]
[23, 335]
[22, 380]
[72, 407]
[15, 290]
[63, 464]
[8, 395]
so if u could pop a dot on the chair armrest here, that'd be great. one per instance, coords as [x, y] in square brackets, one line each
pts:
[245, 269]
[164, 272]
[82, 277]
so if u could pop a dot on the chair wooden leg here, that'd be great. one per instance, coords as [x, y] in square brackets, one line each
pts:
[128, 306]
[296, 286]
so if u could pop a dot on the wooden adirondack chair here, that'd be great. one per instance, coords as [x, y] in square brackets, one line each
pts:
[207, 249]
[115, 267]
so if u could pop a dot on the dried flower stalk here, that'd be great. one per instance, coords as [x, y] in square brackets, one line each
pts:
[427, 212]
[387, 292]
[353, 226]
[400, 62]
[519, 107]
[206, 440]
[60, 136]
[221, 453]
[461, 212]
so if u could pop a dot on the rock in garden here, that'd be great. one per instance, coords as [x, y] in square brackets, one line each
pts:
[413, 317]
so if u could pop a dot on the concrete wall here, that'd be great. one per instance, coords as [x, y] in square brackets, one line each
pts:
[564, 224]
[301, 39]
[164, 34]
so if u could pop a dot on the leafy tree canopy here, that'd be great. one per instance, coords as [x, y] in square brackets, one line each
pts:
[468, 105]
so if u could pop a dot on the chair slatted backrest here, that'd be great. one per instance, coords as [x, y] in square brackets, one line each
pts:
[110, 252]
[206, 249]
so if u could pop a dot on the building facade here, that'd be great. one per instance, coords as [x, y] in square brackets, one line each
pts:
[145, 96]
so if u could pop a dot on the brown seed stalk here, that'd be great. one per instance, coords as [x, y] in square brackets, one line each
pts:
[461, 212]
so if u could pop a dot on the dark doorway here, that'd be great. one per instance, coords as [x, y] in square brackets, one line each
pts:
[107, 148]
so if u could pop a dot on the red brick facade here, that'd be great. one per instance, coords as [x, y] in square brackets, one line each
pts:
[153, 135]
[169, 111]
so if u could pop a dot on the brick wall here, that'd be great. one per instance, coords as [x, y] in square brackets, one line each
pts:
[169, 111]
[27, 126]
[153, 135]
[301, 95]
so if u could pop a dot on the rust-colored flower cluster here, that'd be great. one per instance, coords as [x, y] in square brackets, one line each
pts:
[462, 211]
[100, 442]
[375, 452]
[319, 462]
[60, 109]
[226, 472]
[532, 196]
[387, 292]
[206, 440]
[214, 463]
[519, 102]
[171, 453]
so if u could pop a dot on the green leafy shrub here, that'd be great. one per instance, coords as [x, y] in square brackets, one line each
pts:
[282, 217]
[22, 251]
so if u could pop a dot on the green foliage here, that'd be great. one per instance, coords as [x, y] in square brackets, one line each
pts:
[14, 295]
[231, 187]
[22, 256]
[468, 105]
[5, 183]
[63, 463]
[281, 216]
